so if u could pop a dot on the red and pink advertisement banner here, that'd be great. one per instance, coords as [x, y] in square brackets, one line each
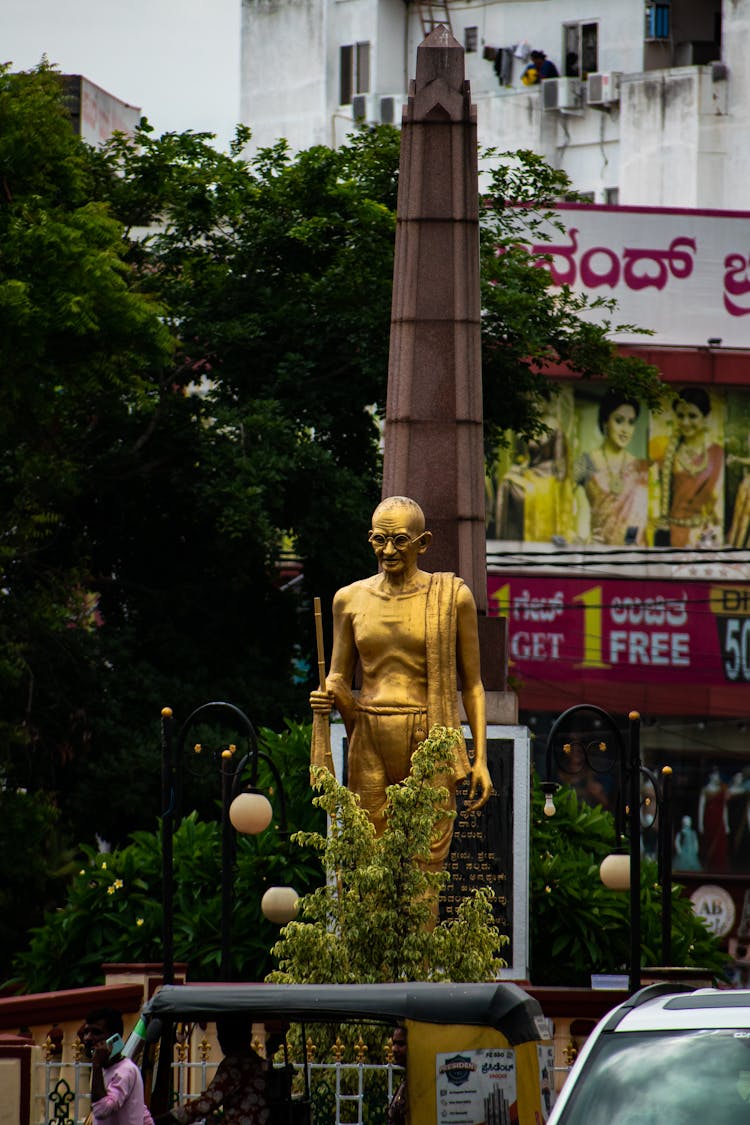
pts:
[622, 631]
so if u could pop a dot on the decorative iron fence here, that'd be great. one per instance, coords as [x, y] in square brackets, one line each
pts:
[341, 1093]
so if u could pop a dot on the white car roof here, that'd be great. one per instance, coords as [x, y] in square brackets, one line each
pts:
[705, 1008]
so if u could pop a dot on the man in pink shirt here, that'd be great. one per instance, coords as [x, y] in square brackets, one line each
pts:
[116, 1083]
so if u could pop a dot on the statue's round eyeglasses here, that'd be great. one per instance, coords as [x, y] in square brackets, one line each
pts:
[400, 542]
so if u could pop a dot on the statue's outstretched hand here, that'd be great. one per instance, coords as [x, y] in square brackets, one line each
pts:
[322, 702]
[480, 789]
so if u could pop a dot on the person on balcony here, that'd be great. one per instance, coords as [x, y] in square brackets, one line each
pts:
[538, 69]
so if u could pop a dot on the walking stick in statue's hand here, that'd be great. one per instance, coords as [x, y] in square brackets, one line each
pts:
[320, 744]
[319, 643]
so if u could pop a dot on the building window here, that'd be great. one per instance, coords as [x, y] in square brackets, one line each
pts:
[471, 39]
[354, 71]
[580, 49]
[612, 196]
[657, 21]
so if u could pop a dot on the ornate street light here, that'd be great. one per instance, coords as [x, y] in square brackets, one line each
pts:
[245, 809]
[604, 752]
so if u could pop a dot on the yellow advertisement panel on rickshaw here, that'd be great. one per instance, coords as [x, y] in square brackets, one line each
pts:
[462, 1074]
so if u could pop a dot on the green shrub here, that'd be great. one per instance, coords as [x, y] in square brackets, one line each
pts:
[113, 910]
[579, 926]
[372, 919]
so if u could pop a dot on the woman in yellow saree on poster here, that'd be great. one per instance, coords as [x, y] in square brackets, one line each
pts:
[534, 497]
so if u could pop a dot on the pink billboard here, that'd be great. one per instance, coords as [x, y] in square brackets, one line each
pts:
[684, 275]
[622, 631]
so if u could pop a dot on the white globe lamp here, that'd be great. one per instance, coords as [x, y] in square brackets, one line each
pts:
[250, 813]
[280, 904]
[614, 872]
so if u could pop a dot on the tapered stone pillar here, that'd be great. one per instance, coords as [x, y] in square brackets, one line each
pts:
[433, 432]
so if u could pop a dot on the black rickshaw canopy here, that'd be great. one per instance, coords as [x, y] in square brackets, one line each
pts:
[505, 1007]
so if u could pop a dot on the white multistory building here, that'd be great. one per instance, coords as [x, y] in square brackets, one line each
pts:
[652, 106]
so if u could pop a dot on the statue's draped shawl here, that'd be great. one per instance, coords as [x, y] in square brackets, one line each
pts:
[440, 635]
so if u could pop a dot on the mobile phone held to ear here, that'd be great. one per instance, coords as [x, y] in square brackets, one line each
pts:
[115, 1045]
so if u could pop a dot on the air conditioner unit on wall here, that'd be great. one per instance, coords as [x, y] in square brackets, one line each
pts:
[562, 94]
[363, 108]
[391, 107]
[603, 88]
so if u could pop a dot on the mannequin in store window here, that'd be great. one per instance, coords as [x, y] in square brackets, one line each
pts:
[686, 856]
[713, 823]
[738, 812]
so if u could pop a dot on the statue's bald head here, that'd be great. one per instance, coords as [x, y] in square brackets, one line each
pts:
[410, 507]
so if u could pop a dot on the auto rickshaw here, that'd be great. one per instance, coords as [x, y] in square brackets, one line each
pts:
[478, 1054]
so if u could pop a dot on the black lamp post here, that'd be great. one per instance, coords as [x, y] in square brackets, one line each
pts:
[603, 755]
[243, 807]
[662, 787]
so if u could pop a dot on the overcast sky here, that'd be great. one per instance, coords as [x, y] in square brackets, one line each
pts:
[178, 60]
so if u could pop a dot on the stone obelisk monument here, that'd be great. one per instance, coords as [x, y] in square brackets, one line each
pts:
[433, 433]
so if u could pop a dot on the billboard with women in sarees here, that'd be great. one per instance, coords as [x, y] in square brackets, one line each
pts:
[609, 472]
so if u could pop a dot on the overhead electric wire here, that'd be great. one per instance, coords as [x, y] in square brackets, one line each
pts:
[584, 555]
[571, 562]
[599, 552]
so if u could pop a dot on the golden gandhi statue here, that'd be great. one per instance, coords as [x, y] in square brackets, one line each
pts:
[411, 631]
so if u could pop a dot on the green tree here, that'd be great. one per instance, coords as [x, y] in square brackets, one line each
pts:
[579, 926]
[137, 554]
[85, 358]
[372, 918]
[277, 272]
